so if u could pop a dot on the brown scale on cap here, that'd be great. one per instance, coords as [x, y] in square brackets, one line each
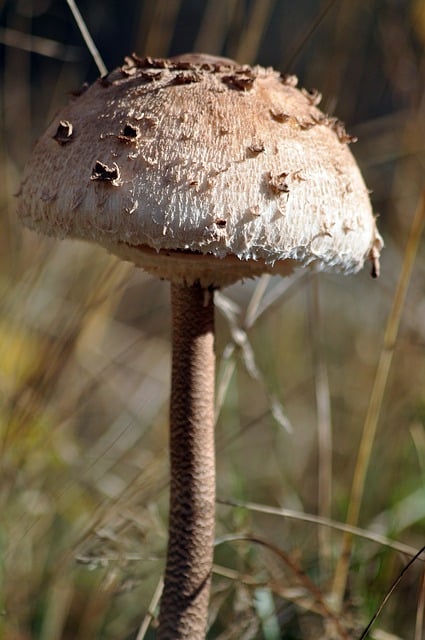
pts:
[130, 133]
[256, 147]
[103, 173]
[313, 96]
[244, 81]
[64, 132]
[277, 183]
[289, 80]
[280, 116]
[186, 78]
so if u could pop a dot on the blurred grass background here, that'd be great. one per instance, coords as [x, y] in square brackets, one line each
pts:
[84, 353]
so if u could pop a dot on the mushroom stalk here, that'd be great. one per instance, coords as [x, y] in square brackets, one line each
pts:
[184, 604]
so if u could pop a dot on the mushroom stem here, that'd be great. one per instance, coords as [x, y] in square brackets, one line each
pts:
[184, 604]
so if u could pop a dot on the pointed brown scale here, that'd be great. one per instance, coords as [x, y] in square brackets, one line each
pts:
[64, 132]
[277, 182]
[186, 78]
[280, 116]
[148, 61]
[254, 210]
[243, 82]
[313, 96]
[305, 124]
[129, 134]
[103, 173]
[289, 80]
[149, 76]
[342, 134]
[256, 147]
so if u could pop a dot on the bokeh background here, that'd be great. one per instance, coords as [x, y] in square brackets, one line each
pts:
[85, 359]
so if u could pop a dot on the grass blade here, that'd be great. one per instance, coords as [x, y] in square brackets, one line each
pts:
[376, 399]
[87, 37]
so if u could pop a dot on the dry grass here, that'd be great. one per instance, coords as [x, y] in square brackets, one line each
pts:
[84, 358]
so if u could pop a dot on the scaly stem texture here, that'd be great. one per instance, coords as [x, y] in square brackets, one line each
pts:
[184, 604]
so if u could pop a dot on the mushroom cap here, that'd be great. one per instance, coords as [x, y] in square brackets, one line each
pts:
[199, 169]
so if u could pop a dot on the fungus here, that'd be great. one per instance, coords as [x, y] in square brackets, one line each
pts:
[200, 239]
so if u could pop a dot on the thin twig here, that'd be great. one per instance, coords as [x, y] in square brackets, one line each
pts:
[306, 35]
[151, 614]
[322, 522]
[43, 46]
[303, 578]
[299, 595]
[280, 292]
[376, 399]
[241, 344]
[389, 593]
[420, 612]
[87, 38]
[256, 299]
[324, 426]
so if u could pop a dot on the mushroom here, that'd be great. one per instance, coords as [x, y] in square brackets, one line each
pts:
[202, 172]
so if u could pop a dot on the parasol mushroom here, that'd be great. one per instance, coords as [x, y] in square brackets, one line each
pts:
[203, 172]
